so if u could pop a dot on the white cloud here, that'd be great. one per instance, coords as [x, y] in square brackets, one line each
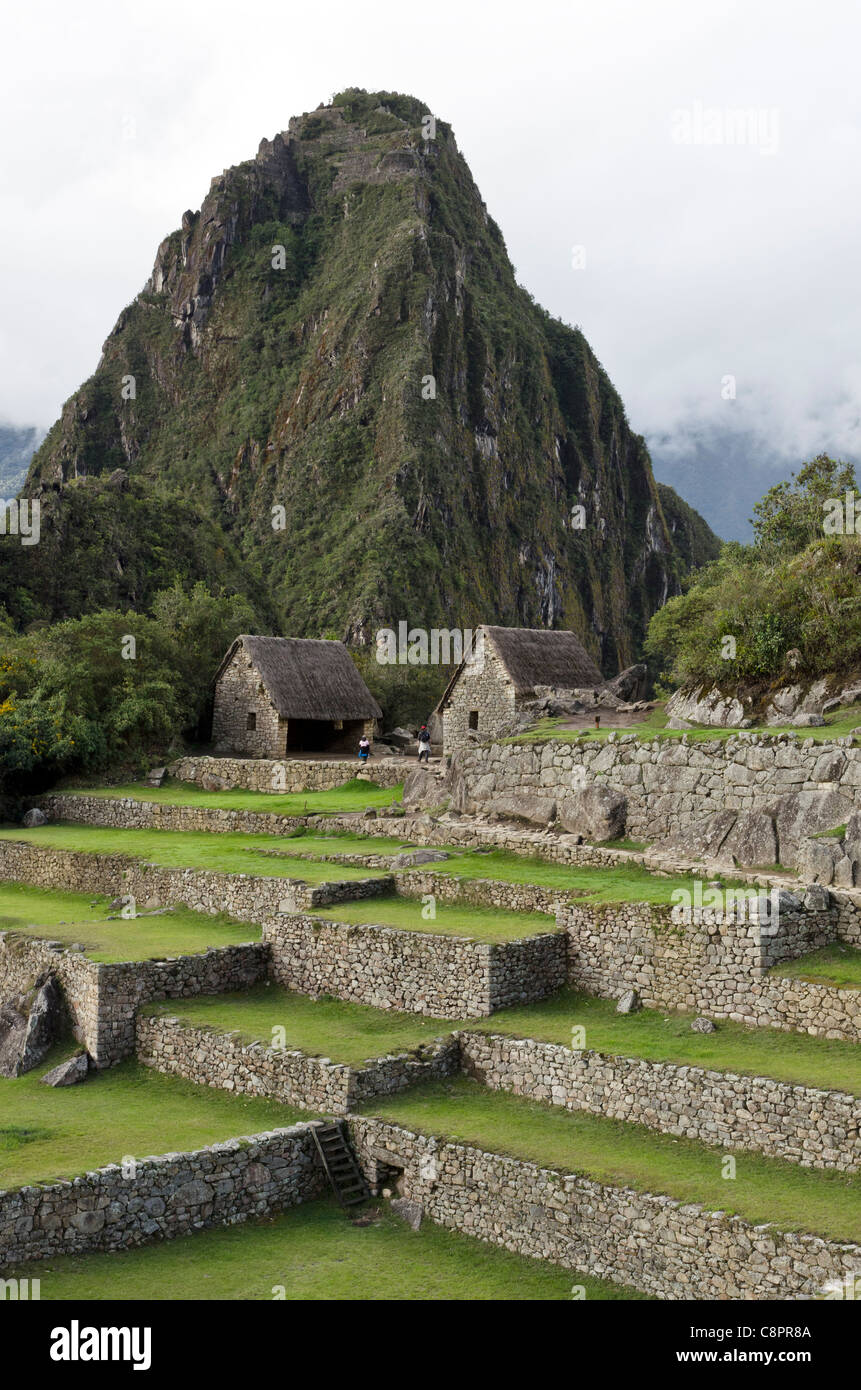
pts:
[701, 259]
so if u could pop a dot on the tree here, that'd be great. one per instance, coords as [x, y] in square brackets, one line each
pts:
[790, 515]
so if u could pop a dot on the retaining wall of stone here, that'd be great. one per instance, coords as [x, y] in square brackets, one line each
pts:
[128, 813]
[291, 774]
[672, 785]
[168, 1196]
[247, 897]
[714, 966]
[800, 1124]
[420, 972]
[210, 1058]
[102, 999]
[670, 1249]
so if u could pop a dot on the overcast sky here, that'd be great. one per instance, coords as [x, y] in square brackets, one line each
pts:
[692, 242]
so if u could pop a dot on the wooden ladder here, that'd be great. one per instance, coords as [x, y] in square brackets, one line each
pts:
[339, 1162]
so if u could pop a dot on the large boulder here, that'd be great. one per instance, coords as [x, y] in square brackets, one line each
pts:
[702, 705]
[411, 859]
[803, 814]
[538, 810]
[422, 787]
[29, 1026]
[34, 817]
[631, 683]
[752, 840]
[816, 860]
[68, 1073]
[596, 812]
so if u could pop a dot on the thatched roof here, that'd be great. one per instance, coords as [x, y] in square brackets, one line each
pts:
[536, 656]
[306, 678]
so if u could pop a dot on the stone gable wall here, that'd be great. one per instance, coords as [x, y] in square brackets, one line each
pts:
[239, 691]
[670, 1249]
[168, 1196]
[799, 1124]
[487, 689]
[210, 1058]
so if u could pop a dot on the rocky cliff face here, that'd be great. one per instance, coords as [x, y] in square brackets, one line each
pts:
[332, 385]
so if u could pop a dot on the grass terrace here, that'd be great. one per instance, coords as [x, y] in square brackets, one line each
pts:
[654, 726]
[317, 1254]
[624, 882]
[490, 924]
[355, 795]
[347, 1033]
[232, 852]
[49, 1132]
[796, 1058]
[79, 919]
[629, 1155]
[837, 964]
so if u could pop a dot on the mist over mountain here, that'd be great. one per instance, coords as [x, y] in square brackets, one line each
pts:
[18, 443]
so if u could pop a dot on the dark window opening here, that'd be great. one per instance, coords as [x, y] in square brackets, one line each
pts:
[251, 721]
[473, 718]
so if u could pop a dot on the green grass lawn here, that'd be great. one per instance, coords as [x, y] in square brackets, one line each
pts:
[794, 1057]
[654, 726]
[354, 795]
[82, 919]
[625, 882]
[492, 924]
[629, 1155]
[48, 1133]
[232, 852]
[316, 1253]
[349, 1033]
[836, 964]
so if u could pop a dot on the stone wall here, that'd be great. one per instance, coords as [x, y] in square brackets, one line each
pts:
[291, 774]
[671, 785]
[210, 1058]
[419, 972]
[483, 689]
[168, 1196]
[479, 892]
[126, 813]
[102, 999]
[716, 966]
[799, 1124]
[240, 699]
[670, 1249]
[247, 897]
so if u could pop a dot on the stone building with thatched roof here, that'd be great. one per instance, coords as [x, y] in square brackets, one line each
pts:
[505, 668]
[275, 696]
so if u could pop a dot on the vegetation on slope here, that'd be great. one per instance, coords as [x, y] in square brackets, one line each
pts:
[791, 600]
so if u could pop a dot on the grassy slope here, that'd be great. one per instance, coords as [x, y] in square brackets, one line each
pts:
[628, 1155]
[77, 918]
[658, 1037]
[48, 1133]
[232, 852]
[349, 1033]
[834, 965]
[355, 795]
[654, 727]
[352, 1033]
[613, 883]
[490, 924]
[316, 1253]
